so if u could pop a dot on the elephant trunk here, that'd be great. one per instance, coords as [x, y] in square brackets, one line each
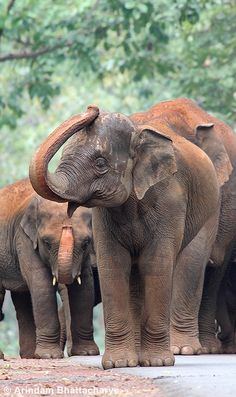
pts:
[54, 186]
[65, 256]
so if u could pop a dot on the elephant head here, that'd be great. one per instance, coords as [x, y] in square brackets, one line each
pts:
[208, 140]
[61, 244]
[107, 158]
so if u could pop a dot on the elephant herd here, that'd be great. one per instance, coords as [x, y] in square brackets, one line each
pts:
[161, 233]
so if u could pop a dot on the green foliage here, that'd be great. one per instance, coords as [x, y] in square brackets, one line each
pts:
[187, 45]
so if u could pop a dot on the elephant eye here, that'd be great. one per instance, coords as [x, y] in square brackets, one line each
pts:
[47, 243]
[86, 244]
[101, 165]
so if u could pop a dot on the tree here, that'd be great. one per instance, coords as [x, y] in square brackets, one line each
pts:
[189, 42]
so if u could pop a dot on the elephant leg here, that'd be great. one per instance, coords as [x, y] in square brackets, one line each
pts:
[65, 319]
[136, 300]
[207, 313]
[187, 291]
[24, 315]
[63, 333]
[156, 274]
[114, 272]
[226, 320]
[226, 335]
[81, 298]
[43, 296]
[46, 316]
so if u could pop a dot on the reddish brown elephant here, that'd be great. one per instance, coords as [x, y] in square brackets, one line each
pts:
[40, 246]
[153, 192]
[218, 140]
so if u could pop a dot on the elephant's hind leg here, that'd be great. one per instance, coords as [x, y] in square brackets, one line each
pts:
[187, 291]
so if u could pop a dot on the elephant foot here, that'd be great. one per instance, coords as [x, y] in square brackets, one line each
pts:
[85, 348]
[182, 344]
[52, 351]
[119, 359]
[1, 355]
[228, 349]
[149, 358]
[29, 354]
[210, 345]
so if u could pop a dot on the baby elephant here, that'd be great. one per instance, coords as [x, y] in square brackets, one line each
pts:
[39, 248]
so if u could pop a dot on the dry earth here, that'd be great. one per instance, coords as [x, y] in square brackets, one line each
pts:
[65, 378]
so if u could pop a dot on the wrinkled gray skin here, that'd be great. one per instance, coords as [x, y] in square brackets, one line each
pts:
[64, 311]
[152, 196]
[30, 233]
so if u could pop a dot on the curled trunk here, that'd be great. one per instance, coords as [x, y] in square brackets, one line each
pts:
[65, 256]
[53, 186]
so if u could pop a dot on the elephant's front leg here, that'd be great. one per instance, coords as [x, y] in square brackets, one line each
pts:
[114, 272]
[45, 315]
[81, 298]
[43, 296]
[26, 326]
[156, 273]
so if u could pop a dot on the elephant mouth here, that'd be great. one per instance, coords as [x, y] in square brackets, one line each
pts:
[73, 205]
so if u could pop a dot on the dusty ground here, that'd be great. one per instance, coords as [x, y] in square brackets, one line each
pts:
[65, 378]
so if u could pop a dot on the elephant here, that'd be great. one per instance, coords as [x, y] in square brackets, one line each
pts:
[218, 140]
[226, 309]
[152, 192]
[41, 248]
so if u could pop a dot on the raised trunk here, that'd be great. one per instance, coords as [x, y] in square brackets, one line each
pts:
[65, 256]
[52, 186]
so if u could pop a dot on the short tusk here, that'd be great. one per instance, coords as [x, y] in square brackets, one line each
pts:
[54, 280]
[79, 280]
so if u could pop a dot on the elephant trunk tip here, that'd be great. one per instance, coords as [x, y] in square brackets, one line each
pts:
[93, 107]
[65, 256]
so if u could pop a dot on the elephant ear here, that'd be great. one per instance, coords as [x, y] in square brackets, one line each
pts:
[29, 221]
[212, 145]
[155, 160]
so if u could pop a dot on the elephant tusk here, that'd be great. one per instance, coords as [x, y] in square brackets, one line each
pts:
[54, 280]
[79, 280]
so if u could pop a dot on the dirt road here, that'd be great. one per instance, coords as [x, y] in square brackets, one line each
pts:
[21, 378]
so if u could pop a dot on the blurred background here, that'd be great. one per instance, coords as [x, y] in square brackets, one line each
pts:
[57, 57]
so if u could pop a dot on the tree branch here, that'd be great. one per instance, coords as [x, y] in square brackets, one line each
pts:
[10, 5]
[33, 54]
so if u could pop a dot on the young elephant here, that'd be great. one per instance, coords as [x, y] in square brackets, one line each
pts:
[153, 192]
[39, 247]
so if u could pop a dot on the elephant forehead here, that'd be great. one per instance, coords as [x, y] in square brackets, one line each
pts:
[111, 132]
